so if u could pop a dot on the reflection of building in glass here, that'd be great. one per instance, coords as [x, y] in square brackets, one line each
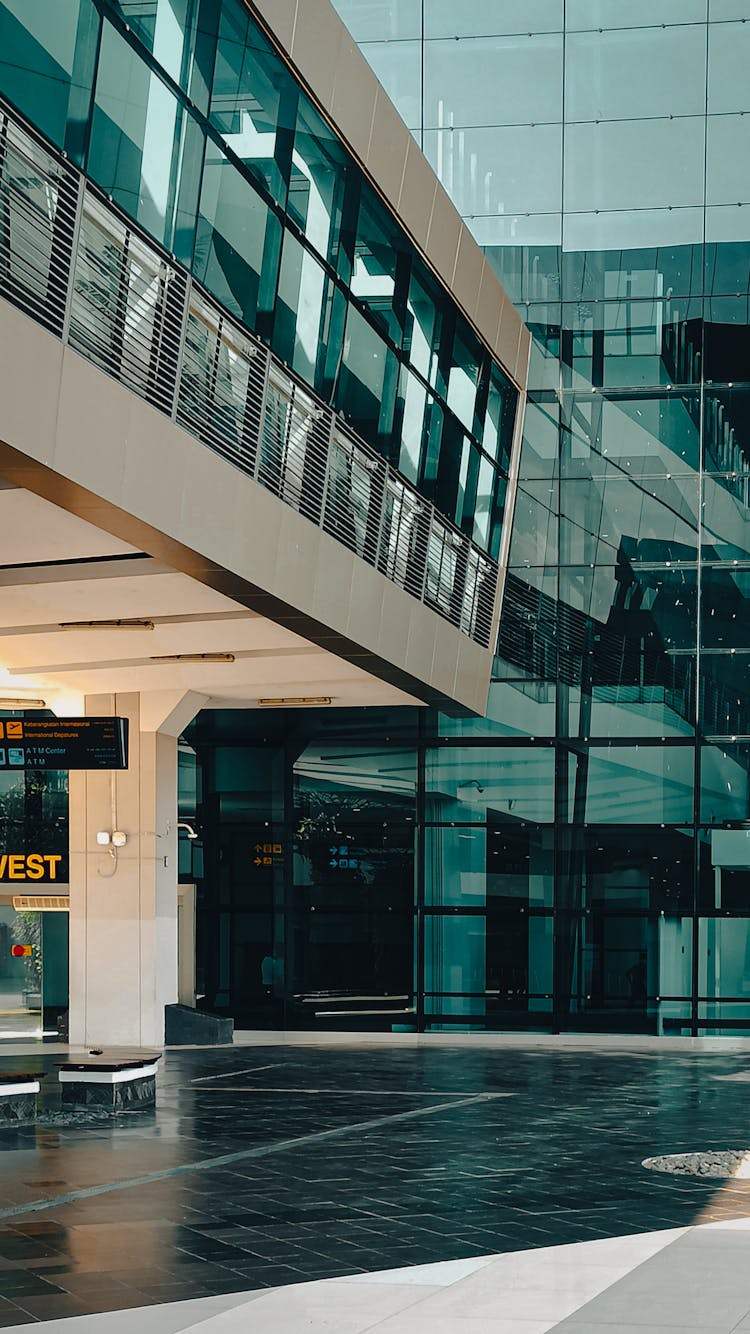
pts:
[597, 153]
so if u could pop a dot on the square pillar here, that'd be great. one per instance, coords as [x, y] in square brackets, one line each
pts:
[123, 902]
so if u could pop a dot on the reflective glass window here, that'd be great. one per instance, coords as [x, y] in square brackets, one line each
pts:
[412, 407]
[609, 518]
[631, 785]
[644, 273]
[534, 537]
[167, 29]
[361, 397]
[490, 170]
[637, 164]
[611, 870]
[299, 308]
[722, 964]
[726, 517]
[370, 20]
[643, 436]
[144, 150]
[237, 242]
[636, 14]
[473, 19]
[456, 866]
[493, 80]
[466, 784]
[625, 344]
[47, 55]
[726, 340]
[727, 143]
[319, 175]
[661, 71]
[728, 55]
[380, 274]
[725, 796]
[335, 787]
[725, 595]
[253, 100]
[724, 705]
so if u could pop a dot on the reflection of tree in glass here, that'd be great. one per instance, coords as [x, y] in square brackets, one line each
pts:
[27, 930]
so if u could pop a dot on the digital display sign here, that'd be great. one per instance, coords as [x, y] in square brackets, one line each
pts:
[63, 743]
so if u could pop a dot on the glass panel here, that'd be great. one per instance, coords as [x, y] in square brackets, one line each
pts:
[455, 867]
[369, 20]
[613, 519]
[497, 169]
[518, 708]
[461, 84]
[165, 28]
[455, 958]
[354, 868]
[728, 56]
[724, 963]
[647, 272]
[534, 539]
[411, 412]
[47, 52]
[253, 101]
[299, 309]
[635, 435]
[465, 784]
[371, 783]
[20, 978]
[236, 248]
[630, 785]
[727, 142]
[726, 342]
[607, 870]
[443, 19]
[645, 164]
[360, 396]
[724, 699]
[136, 140]
[423, 323]
[352, 957]
[320, 171]
[723, 1017]
[625, 970]
[636, 14]
[379, 277]
[725, 593]
[725, 788]
[623, 344]
[659, 70]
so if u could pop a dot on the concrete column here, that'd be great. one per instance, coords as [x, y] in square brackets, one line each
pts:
[123, 902]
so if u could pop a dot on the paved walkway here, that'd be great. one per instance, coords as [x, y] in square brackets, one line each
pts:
[268, 1168]
[691, 1280]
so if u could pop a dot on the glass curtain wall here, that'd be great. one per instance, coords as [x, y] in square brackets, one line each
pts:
[189, 120]
[598, 151]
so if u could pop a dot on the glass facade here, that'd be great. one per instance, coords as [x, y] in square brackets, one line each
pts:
[187, 118]
[598, 153]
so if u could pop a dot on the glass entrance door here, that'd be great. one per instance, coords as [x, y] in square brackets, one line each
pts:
[21, 973]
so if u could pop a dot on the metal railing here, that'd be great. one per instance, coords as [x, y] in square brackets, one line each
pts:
[72, 262]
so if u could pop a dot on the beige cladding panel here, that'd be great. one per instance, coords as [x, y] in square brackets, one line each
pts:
[322, 50]
[160, 489]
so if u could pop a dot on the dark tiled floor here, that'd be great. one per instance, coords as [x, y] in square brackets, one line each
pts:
[335, 1160]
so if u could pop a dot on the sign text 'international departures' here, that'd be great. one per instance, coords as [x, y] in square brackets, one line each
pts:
[63, 743]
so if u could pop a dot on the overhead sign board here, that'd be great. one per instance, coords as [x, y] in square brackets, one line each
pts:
[63, 743]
